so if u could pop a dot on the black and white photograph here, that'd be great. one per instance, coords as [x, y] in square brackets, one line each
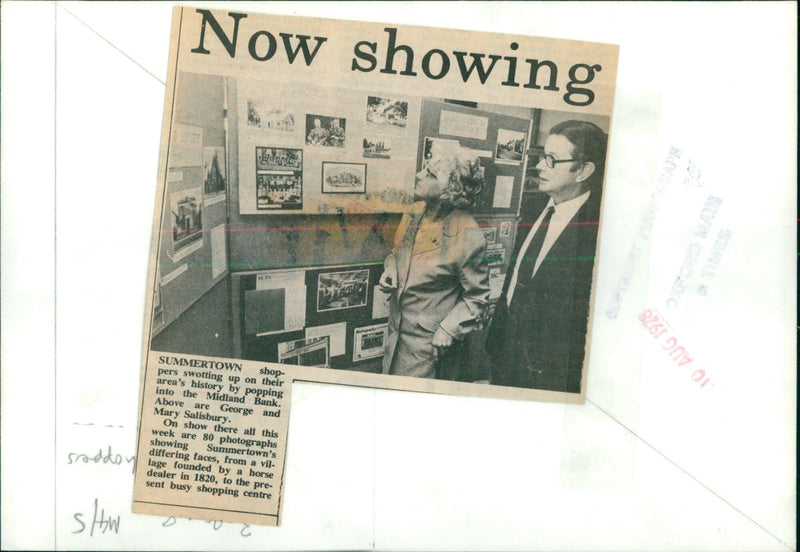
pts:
[448, 183]
[269, 118]
[278, 159]
[313, 351]
[377, 147]
[386, 111]
[323, 130]
[186, 209]
[369, 240]
[510, 146]
[214, 181]
[279, 191]
[369, 341]
[495, 254]
[342, 290]
[344, 178]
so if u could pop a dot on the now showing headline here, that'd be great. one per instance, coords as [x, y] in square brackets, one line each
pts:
[395, 58]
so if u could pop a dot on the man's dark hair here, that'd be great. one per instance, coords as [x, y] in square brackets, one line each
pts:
[589, 145]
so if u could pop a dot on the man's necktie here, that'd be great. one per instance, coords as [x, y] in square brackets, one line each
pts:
[528, 262]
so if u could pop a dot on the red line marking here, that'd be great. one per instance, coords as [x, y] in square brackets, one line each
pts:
[351, 227]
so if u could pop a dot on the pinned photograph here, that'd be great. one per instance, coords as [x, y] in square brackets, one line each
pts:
[510, 146]
[505, 228]
[213, 170]
[325, 131]
[378, 147]
[490, 234]
[278, 159]
[386, 111]
[274, 118]
[279, 191]
[342, 290]
[186, 208]
[305, 352]
[344, 178]
[369, 341]
[495, 254]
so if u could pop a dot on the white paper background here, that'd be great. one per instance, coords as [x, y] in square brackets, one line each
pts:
[651, 462]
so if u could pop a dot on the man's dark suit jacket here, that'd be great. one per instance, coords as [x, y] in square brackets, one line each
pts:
[540, 341]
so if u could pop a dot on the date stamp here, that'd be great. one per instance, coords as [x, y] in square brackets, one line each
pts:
[659, 329]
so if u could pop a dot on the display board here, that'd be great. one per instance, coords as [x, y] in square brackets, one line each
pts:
[309, 149]
[353, 152]
[499, 140]
[499, 231]
[194, 245]
[332, 316]
[335, 316]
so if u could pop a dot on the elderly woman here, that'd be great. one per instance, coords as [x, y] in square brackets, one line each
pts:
[435, 274]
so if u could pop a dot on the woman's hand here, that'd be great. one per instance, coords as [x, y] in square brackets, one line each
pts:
[441, 338]
[386, 283]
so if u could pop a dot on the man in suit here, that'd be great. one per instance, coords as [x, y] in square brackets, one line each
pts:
[538, 335]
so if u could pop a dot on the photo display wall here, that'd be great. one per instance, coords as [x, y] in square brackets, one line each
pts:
[193, 249]
[499, 141]
[350, 152]
[333, 317]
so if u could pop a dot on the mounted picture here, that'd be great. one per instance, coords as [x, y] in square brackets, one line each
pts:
[322, 130]
[495, 254]
[369, 341]
[305, 352]
[279, 191]
[344, 178]
[386, 111]
[377, 147]
[510, 146]
[278, 159]
[186, 208]
[342, 290]
[213, 170]
[269, 118]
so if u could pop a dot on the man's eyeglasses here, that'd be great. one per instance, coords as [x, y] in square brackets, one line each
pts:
[551, 161]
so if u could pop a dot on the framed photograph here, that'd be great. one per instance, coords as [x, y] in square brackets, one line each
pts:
[186, 209]
[377, 147]
[278, 159]
[369, 341]
[269, 118]
[276, 190]
[305, 352]
[323, 130]
[342, 290]
[214, 174]
[505, 228]
[386, 111]
[344, 178]
[510, 146]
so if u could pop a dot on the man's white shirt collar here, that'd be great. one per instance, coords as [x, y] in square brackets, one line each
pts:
[562, 214]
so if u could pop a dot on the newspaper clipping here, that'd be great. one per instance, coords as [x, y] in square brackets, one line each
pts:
[364, 204]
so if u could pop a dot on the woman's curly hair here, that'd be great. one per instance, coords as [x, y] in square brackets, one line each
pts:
[462, 172]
